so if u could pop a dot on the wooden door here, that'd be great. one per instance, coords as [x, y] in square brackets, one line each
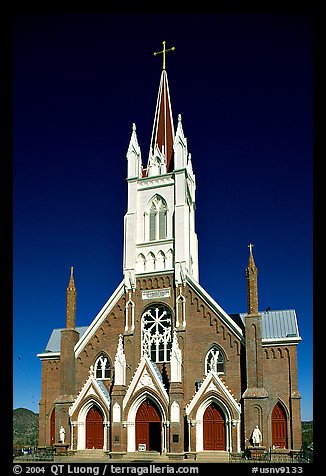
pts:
[52, 428]
[94, 429]
[214, 428]
[279, 432]
[148, 426]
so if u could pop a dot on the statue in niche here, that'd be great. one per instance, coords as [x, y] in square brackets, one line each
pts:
[62, 434]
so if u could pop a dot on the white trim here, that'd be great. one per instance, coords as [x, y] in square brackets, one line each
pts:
[200, 423]
[112, 301]
[213, 377]
[90, 382]
[281, 341]
[131, 421]
[49, 356]
[81, 424]
[145, 364]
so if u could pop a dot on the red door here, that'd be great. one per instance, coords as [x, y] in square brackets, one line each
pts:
[279, 433]
[94, 429]
[52, 428]
[214, 428]
[148, 426]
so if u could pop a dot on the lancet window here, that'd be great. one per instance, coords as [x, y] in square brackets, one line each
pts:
[215, 361]
[102, 367]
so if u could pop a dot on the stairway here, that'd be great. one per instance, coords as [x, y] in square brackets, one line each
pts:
[144, 456]
[90, 454]
[213, 456]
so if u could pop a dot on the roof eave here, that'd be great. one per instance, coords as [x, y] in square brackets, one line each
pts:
[49, 355]
[281, 341]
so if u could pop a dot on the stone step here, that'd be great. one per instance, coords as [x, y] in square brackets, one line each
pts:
[144, 455]
[213, 456]
[90, 453]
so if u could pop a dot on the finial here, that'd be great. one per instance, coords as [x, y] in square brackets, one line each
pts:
[163, 52]
[250, 246]
[71, 271]
[133, 127]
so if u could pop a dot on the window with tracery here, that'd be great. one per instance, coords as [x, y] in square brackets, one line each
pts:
[157, 219]
[102, 368]
[156, 333]
[214, 361]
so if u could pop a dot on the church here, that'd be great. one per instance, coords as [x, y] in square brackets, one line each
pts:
[162, 367]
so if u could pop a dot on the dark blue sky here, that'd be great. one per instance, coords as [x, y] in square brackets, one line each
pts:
[243, 84]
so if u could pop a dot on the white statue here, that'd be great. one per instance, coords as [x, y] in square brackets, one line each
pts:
[62, 434]
[256, 436]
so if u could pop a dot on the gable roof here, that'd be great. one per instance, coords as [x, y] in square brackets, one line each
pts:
[146, 375]
[213, 382]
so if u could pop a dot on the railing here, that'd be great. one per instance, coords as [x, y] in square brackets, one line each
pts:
[302, 456]
[35, 454]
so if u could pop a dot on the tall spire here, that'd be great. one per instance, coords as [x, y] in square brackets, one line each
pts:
[161, 149]
[71, 302]
[252, 283]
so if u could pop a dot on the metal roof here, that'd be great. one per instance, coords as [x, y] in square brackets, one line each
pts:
[277, 324]
[53, 344]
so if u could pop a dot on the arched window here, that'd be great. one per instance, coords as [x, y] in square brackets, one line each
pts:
[157, 219]
[102, 367]
[214, 361]
[156, 333]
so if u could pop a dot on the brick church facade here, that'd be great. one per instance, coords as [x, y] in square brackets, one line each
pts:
[163, 367]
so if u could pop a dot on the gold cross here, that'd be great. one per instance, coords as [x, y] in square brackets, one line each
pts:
[250, 246]
[163, 52]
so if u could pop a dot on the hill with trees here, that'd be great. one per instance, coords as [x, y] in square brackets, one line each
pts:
[25, 427]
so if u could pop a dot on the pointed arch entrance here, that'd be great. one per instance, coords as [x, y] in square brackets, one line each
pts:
[94, 429]
[214, 428]
[149, 426]
[279, 431]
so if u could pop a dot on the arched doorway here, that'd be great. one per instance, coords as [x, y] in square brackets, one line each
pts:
[148, 426]
[214, 428]
[279, 432]
[94, 429]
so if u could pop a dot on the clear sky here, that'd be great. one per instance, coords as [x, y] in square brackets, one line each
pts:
[243, 85]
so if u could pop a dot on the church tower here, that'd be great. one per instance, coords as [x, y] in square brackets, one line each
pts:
[69, 338]
[255, 395]
[159, 227]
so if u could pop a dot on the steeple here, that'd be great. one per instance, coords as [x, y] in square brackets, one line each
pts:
[160, 159]
[252, 283]
[71, 302]
[159, 226]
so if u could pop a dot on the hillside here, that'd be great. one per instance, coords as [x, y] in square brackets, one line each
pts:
[25, 427]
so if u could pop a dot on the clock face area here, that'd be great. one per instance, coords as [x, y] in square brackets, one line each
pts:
[156, 325]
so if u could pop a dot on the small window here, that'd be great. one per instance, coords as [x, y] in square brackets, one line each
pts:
[214, 361]
[102, 368]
